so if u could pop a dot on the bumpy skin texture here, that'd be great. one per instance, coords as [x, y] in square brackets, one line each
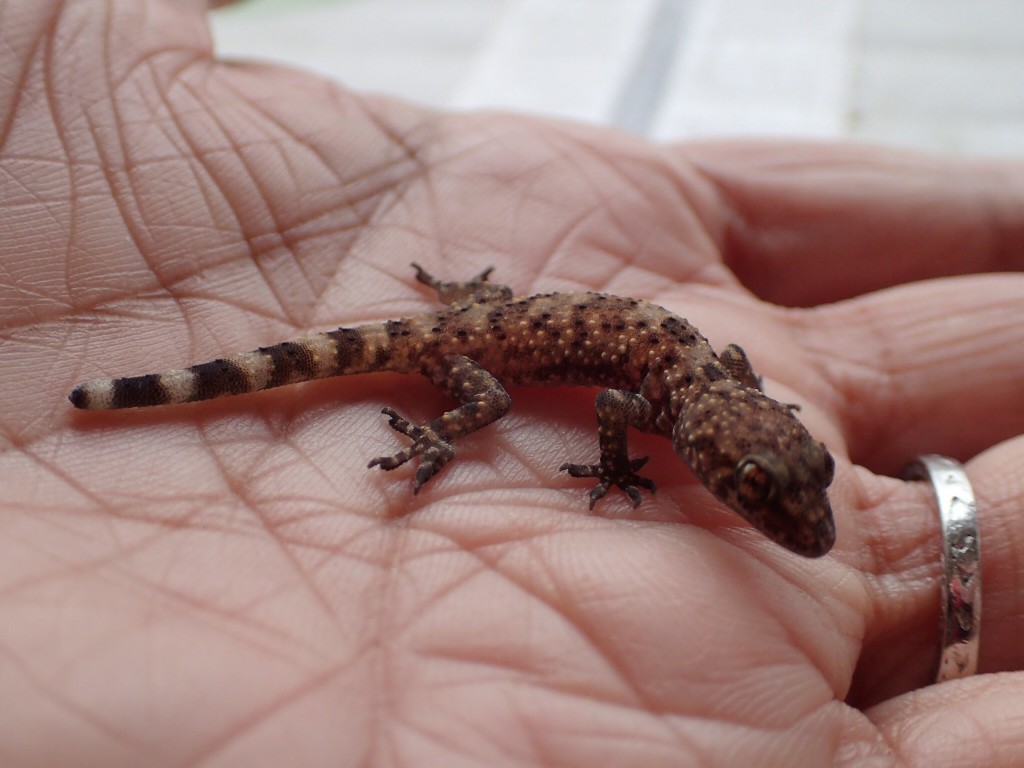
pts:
[662, 376]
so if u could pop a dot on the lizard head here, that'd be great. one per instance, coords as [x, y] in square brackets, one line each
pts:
[756, 456]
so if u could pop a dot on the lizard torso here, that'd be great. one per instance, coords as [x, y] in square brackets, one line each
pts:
[662, 377]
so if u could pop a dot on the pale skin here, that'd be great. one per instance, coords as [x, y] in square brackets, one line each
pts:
[228, 584]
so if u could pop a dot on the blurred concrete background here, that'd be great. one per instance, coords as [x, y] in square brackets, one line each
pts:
[942, 75]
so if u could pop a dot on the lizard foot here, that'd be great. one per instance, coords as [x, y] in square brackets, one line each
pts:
[436, 451]
[623, 477]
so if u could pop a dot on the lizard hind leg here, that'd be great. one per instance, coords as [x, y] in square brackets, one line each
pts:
[475, 289]
[435, 449]
[616, 410]
[483, 399]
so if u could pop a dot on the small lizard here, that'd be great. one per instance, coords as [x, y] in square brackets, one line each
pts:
[661, 376]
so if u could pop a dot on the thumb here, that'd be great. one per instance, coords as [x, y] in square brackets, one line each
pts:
[973, 721]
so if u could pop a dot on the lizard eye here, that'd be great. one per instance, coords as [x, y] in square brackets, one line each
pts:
[757, 484]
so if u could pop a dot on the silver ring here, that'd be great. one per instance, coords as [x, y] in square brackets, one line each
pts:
[961, 564]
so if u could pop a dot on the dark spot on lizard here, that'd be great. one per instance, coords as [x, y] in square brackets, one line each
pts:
[138, 391]
[218, 378]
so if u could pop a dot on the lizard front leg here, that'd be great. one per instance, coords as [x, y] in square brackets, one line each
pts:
[738, 364]
[617, 410]
[483, 399]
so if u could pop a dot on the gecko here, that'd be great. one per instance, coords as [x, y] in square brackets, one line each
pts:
[659, 374]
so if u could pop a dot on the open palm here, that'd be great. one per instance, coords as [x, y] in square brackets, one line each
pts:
[227, 583]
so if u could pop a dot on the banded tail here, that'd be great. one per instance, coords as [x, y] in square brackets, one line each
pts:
[341, 352]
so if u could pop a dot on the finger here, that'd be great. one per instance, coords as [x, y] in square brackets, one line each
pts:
[894, 540]
[933, 367]
[968, 722]
[814, 223]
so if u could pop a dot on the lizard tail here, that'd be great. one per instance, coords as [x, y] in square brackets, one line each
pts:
[336, 353]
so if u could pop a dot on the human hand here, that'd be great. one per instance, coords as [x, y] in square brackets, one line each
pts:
[228, 584]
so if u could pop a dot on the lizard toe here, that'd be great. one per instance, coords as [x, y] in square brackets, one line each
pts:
[582, 470]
